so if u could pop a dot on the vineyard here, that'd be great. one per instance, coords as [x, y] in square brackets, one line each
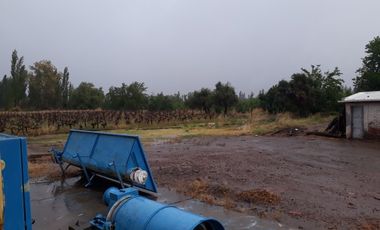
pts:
[46, 122]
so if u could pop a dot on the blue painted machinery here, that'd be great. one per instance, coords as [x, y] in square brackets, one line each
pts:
[14, 184]
[114, 157]
[121, 158]
[129, 210]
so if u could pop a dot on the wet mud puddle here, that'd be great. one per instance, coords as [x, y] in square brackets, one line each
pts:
[57, 205]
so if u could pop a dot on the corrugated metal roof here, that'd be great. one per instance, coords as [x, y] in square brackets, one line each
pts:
[363, 97]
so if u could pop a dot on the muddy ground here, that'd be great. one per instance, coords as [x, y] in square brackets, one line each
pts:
[306, 182]
[303, 182]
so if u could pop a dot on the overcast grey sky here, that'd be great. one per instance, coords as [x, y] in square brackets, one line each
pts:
[182, 45]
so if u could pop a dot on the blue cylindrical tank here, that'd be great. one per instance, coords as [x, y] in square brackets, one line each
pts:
[139, 213]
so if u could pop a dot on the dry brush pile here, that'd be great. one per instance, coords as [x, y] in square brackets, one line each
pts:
[53, 121]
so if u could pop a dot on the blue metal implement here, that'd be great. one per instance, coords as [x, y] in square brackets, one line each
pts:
[129, 211]
[114, 156]
[14, 187]
[121, 158]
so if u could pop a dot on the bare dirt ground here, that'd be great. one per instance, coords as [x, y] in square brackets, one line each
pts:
[306, 182]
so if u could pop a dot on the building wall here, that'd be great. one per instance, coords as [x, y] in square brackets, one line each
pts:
[348, 121]
[371, 119]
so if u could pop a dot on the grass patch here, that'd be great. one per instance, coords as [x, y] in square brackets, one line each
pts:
[263, 123]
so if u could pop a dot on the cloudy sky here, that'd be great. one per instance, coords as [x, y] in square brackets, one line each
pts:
[182, 45]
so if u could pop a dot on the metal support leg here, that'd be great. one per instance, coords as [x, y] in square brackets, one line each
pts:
[62, 169]
[67, 166]
[88, 178]
[57, 158]
[117, 173]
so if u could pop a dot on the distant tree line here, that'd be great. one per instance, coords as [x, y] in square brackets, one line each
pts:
[313, 91]
[43, 87]
[307, 92]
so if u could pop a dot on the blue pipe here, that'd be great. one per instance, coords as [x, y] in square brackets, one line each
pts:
[129, 211]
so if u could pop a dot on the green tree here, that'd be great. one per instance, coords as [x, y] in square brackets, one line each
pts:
[304, 96]
[17, 81]
[65, 88]
[44, 86]
[178, 101]
[86, 96]
[13, 88]
[332, 91]
[367, 82]
[225, 96]
[4, 93]
[247, 104]
[130, 97]
[277, 99]
[202, 100]
[326, 88]
[369, 74]
[161, 102]
[306, 93]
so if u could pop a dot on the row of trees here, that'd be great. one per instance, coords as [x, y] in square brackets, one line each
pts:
[307, 92]
[134, 97]
[315, 91]
[42, 86]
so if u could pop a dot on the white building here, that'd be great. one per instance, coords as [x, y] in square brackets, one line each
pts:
[363, 115]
